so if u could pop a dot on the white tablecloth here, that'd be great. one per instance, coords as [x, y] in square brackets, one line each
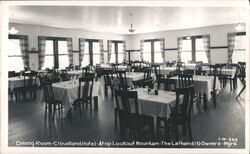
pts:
[67, 92]
[189, 66]
[17, 82]
[230, 72]
[154, 105]
[203, 84]
[75, 72]
[167, 70]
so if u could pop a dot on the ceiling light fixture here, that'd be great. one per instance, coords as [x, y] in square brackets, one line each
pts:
[239, 27]
[188, 37]
[13, 30]
[131, 30]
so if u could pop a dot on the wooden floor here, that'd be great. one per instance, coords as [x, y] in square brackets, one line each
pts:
[27, 123]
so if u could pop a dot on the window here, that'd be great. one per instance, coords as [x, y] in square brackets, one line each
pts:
[49, 54]
[15, 61]
[152, 51]
[85, 61]
[193, 50]
[157, 52]
[91, 53]
[186, 53]
[239, 52]
[147, 52]
[56, 53]
[96, 53]
[63, 57]
[116, 52]
[200, 54]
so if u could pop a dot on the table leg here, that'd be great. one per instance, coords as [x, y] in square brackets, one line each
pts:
[96, 102]
[244, 87]
[204, 101]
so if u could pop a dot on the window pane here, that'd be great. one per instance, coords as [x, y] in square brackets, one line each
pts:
[15, 64]
[158, 57]
[96, 47]
[120, 47]
[113, 48]
[157, 46]
[239, 53]
[120, 58]
[147, 57]
[96, 59]
[48, 62]
[63, 61]
[14, 47]
[49, 47]
[62, 47]
[201, 56]
[199, 44]
[186, 56]
[187, 45]
[112, 58]
[86, 47]
[147, 46]
[85, 60]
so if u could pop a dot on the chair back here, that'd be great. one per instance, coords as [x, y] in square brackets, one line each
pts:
[29, 79]
[147, 73]
[242, 69]
[183, 109]
[11, 74]
[121, 76]
[185, 80]
[188, 71]
[48, 91]
[64, 75]
[85, 70]
[156, 69]
[85, 87]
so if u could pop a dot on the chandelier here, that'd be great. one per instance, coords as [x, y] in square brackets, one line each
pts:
[131, 29]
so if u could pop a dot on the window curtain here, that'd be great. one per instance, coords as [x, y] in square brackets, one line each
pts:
[162, 45]
[230, 43]
[124, 51]
[206, 43]
[142, 49]
[41, 50]
[101, 51]
[81, 48]
[24, 46]
[179, 46]
[70, 50]
[109, 50]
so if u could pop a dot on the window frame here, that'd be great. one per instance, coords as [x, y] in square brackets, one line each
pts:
[239, 34]
[152, 41]
[90, 52]
[16, 37]
[55, 48]
[193, 46]
[116, 42]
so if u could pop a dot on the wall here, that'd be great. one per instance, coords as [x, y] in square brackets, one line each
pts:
[218, 37]
[33, 31]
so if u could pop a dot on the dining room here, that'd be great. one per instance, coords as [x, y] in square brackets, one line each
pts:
[152, 75]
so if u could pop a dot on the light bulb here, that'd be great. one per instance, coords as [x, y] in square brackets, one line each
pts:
[239, 27]
[13, 30]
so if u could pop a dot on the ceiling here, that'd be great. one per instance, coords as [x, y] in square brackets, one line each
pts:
[116, 19]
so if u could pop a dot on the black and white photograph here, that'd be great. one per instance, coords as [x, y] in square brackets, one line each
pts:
[125, 76]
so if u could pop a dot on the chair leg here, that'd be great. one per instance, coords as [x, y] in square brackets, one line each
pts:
[54, 111]
[189, 132]
[115, 110]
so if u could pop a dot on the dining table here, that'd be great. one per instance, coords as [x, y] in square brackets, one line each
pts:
[18, 82]
[167, 70]
[67, 92]
[203, 85]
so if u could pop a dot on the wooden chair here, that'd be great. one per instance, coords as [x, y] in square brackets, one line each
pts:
[108, 81]
[64, 75]
[29, 82]
[242, 75]
[146, 81]
[185, 80]
[122, 79]
[188, 71]
[180, 114]
[85, 91]
[51, 103]
[128, 113]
